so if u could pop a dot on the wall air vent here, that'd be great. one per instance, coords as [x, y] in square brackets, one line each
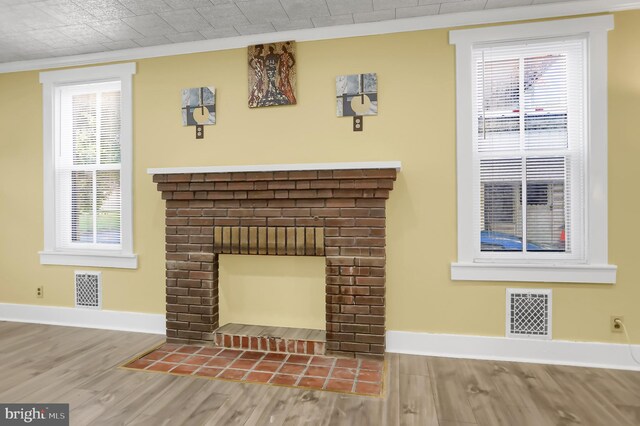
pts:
[88, 289]
[529, 313]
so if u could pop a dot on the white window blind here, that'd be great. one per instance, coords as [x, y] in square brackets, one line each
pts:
[529, 142]
[87, 167]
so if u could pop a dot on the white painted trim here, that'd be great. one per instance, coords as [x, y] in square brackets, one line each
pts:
[508, 14]
[115, 260]
[85, 318]
[126, 157]
[87, 74]
[594, 268]
[464, 154]
[594, 274]
[124, 258]
[279, 167]
[558, 352]
[596, 200]
[558, 28]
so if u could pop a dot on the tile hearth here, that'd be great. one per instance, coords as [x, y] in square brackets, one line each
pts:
[355, 376]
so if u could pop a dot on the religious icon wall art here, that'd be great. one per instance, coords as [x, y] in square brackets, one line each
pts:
[199, 108]
[272, 74]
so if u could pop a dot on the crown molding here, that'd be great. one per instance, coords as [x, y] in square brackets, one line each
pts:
[489, 16]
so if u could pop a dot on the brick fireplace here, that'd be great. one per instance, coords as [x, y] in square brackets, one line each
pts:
[333, 210]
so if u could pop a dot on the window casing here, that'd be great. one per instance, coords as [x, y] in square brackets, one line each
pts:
[531, 148]
[88, 167]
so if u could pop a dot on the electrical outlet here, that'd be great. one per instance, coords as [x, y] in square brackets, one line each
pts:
[616, 328]
[40, 291]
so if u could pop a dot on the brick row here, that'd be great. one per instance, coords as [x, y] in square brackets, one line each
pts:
[279, 203]
[347, 217]
[355, 174]
[366, 183]
[270, 344]
[188, 215]
[176, 195]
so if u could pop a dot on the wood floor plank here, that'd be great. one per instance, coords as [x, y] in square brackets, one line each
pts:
[417, 406]
[414, 364]
[553, 403]
[356, 410]
[619, 388]
[450, 390]
[273, 408]
[311, 410]
[286, 406]
[73, 397]
[244, 399]
[212, 400]
[80, 366]
[490, 402]
[391, 409]
[591, 404]
[124, 402]
[12, 376]
[178, 405]
[631, 412]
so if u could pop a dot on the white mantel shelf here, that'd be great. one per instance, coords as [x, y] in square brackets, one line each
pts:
[368, 165]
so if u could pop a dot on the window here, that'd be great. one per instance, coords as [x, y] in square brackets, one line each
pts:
[88, 167]
[528, 141]
[532, 146]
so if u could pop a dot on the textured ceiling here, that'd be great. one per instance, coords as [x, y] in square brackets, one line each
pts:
[43, 29]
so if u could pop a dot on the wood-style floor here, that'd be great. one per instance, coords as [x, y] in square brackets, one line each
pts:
[79, 366]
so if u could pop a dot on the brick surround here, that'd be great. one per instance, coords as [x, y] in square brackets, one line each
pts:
[349, 206]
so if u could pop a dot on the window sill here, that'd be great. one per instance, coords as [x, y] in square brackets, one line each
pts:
[105, 260]
[596, 274]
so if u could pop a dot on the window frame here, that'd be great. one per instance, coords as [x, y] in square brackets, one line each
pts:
[51, 81]
[593, 267]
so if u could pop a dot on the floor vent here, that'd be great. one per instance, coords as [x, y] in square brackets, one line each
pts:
[88, 289]
[529, 313]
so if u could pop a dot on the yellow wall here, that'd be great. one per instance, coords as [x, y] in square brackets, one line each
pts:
[416, 124]
[251, 289]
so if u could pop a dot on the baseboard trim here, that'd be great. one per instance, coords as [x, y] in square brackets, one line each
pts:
[559, 352]
[86, 318]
